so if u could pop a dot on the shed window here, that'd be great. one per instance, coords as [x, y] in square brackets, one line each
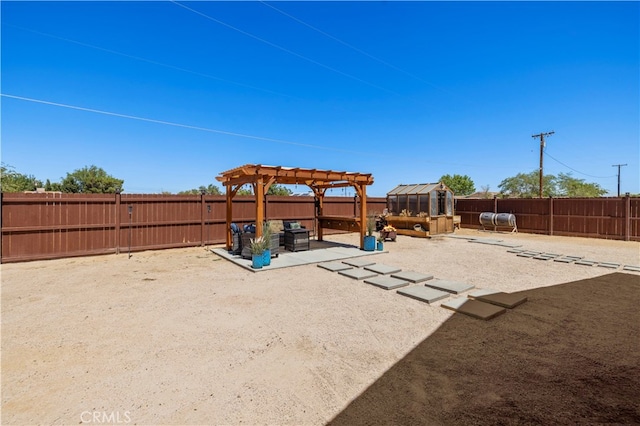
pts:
[434, 203]
[423, 203]
[449, 203]
[413, 204]
[402, 202]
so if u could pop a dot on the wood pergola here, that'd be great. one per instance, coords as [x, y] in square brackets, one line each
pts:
[262, 177]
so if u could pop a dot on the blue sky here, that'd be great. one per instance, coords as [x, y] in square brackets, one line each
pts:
[407, 91]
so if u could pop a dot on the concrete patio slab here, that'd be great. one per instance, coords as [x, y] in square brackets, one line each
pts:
[359, 263]
[358, 274]
[424, 294]
[411, 276]
[450, 286]
[474, 308]
[387, 283]
[382, 269]
[326, 253]
[334, 266]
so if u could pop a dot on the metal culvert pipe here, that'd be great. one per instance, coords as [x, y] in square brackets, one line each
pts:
[488, 219]
[506, 220]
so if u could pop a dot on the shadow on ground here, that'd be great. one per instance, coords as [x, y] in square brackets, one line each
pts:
[570, 355]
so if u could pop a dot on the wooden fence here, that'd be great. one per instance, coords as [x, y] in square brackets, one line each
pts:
[615, 218]
[48, 226]
[53, 225]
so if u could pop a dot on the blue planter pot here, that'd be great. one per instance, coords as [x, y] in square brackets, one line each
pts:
[266, 257]
[257, 261]
[369, 243]
[379, 246]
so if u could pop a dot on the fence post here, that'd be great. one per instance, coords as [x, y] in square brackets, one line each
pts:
[202, 243]
[495, 210]
[117, 228]
[627, 217]
[550, 215]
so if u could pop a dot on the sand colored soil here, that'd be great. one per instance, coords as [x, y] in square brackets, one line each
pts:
[184, 337]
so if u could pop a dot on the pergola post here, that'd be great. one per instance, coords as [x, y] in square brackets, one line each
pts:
[259, 191]
[229, 215]
[361, 190]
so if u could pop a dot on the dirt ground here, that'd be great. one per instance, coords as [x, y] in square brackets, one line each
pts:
[184, 337]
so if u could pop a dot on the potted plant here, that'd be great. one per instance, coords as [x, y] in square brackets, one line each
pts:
[266, 240]
[369, 239]
[257, 252]
[380, 244]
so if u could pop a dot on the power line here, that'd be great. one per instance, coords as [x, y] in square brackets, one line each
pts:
[352, 47]
[285, 49]
[577, 171]
[169, 123]
[367, 153]
[150, 61]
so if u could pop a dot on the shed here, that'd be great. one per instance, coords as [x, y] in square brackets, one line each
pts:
[421, 209]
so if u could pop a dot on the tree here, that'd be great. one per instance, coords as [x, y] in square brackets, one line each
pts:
[209, 190]
[459, 184]
[90, 180]
[12, 181]
[569, 186]
[528, 186]
[276, 189]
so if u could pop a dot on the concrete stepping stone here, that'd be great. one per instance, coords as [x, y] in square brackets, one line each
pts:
[359, 262]
[610, 265]
[450, 286]
[512, 245]
[498, 298]
[585, 262]
[414, 277]
[515, 250]
[387, 283]
[485, 241]
[567, 259]
[461, 237]
[546, 256]
[631, 268]
[335, 266]
[529, 253]
[358, 274]
[474, 308]
[424, 294]
[382, 269]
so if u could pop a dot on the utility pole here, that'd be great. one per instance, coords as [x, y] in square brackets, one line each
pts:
[541, 136]
[618, 166]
